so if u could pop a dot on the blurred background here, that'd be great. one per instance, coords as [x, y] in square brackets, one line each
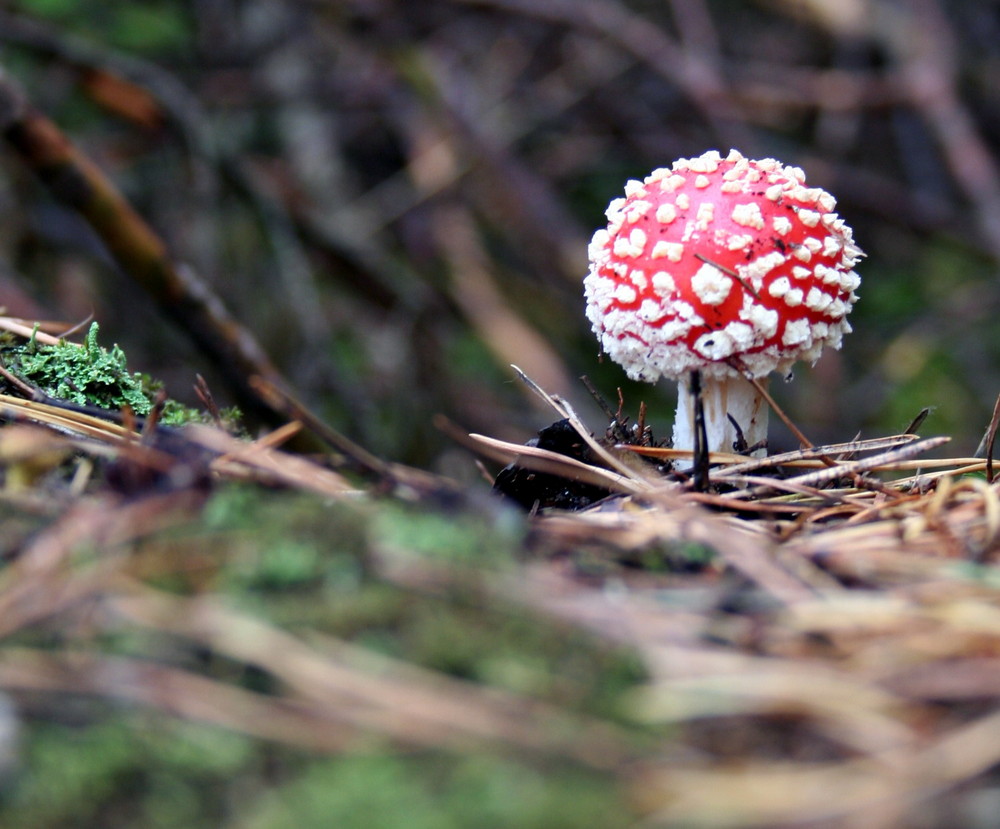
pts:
[396, 197]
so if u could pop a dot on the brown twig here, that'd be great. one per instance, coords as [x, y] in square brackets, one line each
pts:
[77, 182]
[729, 272]
[802, 439]
[990, 439]
[701, 460]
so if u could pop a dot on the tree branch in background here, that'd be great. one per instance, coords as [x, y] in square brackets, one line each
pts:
[77, 182]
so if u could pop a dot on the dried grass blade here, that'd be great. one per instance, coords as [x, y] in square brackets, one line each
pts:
[26, 329]
[989, 498]
[374, 693]
[966, 466]
[762, 793]
[282, 466]
[565, 410]
[795, 430]
[671, 517]
[918, 421]
[668, 453]
[800, 457]
[841, 470]
[772, 507]
[786, 485]
[961, 465]
[543, 460]
[813, 453]
[278, 398]
[64, 419]
[989, 440]
[175, 691]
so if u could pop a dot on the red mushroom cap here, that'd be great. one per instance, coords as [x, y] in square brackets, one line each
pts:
[722, 264]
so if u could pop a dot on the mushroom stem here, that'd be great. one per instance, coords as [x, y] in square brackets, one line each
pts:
[720, 397]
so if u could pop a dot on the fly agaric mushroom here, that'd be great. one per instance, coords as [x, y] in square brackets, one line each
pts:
[729, 266]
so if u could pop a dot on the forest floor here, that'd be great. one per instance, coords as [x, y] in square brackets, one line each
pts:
[202, 629]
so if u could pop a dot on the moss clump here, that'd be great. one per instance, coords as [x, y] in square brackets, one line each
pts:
[91, 375]
[87, 374]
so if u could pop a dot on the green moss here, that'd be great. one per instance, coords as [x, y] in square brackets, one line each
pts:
[312, 567]
[385, 792]
[306, 564]
[134, 770]
[89, 374]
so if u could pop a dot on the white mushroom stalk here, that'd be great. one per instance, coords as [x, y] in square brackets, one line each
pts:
[726, 265]
[735, 415]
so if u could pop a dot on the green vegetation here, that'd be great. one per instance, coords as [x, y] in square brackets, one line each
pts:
[92, 375]
[308, 567]
[156, 27]
[179, 774]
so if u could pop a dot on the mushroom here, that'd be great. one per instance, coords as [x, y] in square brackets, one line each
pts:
[728, 266]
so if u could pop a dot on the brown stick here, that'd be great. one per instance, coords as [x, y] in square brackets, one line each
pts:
[990, 439]
[80, 184]
[804, 442]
